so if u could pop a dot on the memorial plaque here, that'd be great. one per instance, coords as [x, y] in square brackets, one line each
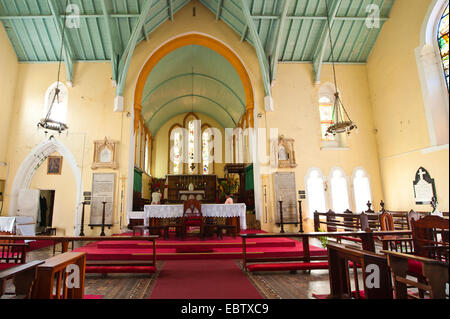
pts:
[102, 191]
[285, 190]
[424, 187]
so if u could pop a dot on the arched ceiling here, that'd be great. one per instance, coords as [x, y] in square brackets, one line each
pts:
[193, 78]
[279, 30]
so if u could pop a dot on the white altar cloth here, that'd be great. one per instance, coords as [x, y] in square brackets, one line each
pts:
[208, 210]
[20, 225]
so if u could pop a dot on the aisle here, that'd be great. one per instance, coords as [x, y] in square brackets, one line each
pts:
[203, 279]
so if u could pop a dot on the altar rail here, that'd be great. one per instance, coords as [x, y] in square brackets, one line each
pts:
[65, 240]
[367, 241]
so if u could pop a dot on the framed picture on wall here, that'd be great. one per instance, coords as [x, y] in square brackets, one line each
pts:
[54, 165]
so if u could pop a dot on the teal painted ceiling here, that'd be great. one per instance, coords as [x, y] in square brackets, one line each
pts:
[280, 30]
[193, 78]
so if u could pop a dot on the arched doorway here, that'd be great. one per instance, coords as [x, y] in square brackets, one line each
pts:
[28, 167]
[245, 120]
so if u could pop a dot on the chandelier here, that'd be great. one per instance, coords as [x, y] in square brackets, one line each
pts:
[342, 122]
[47, 123]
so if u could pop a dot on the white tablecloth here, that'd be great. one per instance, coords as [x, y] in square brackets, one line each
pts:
[20, 225]
[208, 210]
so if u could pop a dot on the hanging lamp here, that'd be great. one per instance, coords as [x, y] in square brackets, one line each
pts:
[47, 123]
[342, 122]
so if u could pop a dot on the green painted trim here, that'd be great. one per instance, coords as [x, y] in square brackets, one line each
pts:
[190, 95]
[276, 54]
[324, 38]
[170, 4]
[125, 60]
[219, 9]
[263, 63]
[195, 74]
[68, 51]
[111, 38]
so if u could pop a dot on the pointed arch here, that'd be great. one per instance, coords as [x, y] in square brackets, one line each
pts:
[28, 168]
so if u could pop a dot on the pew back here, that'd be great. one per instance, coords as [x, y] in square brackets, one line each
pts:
[53, 282]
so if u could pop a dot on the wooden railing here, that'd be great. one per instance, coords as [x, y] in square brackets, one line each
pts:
[52, 277]
[367, 241]
[346, 221]
[65, 240]
[11, 253]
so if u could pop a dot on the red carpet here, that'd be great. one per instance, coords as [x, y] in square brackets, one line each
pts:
[203, 279]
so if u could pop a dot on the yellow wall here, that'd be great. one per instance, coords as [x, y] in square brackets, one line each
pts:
[297, 116]
[90, 117]
[8, 76]
[65, 195]
[399, 112]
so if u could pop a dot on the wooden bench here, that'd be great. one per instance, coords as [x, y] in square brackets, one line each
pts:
[23, 277]
[12, 254]
[339, 258]
[51, 280]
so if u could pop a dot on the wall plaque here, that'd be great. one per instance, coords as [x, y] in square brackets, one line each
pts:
[424, 188]
[285, 190]
[102, 191]
[105, 154]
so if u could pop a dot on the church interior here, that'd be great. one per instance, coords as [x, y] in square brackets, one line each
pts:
[224, 149]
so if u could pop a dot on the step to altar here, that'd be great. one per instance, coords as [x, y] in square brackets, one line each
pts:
[165, 244]
[179, 250]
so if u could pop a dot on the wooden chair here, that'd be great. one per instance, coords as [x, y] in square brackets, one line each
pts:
[393, 243]
[429, 260]
[192, 216]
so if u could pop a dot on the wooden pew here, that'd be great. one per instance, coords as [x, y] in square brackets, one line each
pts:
[12, 254]
[346, 222]
[434, 271]
[23, 276]
[51, 280]
[305, 262]
[340, 258]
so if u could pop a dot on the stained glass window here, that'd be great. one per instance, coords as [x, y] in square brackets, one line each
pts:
[206, 138]
[443, 43]
[177, 153]
[191, 146]
[326, 117]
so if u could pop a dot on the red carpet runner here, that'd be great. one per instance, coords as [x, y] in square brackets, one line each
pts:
[203, 279]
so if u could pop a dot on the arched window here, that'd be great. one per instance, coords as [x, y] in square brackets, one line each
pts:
[176, 150]
[361, 189]
[315, 191]
[207, 156]
[59, 108]
[191, 147]
[339, 190]
[443, 43]
[326, 117]
[432, 63]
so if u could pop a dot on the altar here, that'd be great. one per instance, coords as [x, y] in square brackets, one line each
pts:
[208, 210]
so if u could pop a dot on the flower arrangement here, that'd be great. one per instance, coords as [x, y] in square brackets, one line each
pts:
[228, 186]
[157, 185]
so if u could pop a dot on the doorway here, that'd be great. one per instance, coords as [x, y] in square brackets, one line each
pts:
[46, 206]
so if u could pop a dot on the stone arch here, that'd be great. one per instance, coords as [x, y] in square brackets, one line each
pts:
[34, 159]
